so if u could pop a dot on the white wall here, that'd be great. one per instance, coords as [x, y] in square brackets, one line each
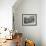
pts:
[6, 13]
[28, 7]
[43, 22]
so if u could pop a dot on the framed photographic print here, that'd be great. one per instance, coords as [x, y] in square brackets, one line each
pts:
[29, 19]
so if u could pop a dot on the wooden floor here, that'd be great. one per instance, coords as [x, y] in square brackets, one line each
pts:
[9, 43]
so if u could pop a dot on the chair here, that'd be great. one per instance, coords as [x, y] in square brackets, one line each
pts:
[29, 43]
[18, 39]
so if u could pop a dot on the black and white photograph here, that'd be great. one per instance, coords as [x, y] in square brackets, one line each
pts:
[29, 19]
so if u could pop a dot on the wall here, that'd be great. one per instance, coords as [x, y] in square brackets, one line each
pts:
[43, 22]
[28, 7]
[6, 13]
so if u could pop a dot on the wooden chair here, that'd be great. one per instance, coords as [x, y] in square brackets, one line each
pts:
[18, 39]
[29, 43]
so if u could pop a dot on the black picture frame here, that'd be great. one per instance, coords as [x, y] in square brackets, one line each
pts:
[29, 19]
